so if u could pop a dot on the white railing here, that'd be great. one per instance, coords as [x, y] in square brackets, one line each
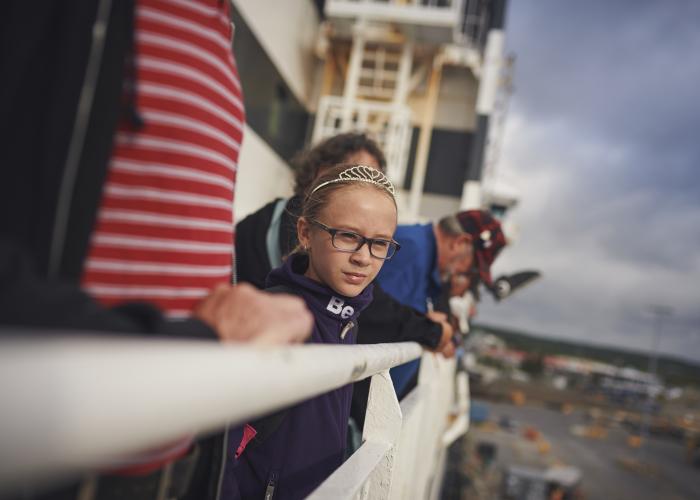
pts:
[474, 25]
[463, 22]
[75, 404]
[403, 449]
[387, 123]
[418, 12]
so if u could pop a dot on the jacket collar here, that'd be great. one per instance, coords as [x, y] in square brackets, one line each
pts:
[320, 298]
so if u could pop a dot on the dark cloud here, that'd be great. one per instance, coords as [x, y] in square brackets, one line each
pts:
[594, 59]
[602, 141]
[627, 72]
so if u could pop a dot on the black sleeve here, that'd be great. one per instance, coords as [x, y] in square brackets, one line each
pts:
[27, 301]
[387, 320]
[288, 241]
[252, 262]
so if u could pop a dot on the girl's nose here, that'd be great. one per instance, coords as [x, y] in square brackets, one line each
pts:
[362, 257]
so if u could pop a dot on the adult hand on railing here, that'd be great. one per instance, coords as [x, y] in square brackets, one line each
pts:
[244, 314]
[448, 350]
[446, 346]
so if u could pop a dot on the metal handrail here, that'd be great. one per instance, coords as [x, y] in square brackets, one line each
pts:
[70, 404]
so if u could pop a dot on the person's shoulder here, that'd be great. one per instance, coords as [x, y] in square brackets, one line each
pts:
[263, 215]
[412, 238]
[415, 232]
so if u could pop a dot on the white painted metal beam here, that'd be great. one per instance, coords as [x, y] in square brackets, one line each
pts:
[76, 403]
[461, 424]
[347, 481]
[419, 15]
[412, 435]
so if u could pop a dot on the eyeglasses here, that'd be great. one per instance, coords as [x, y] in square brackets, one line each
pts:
[348, 241]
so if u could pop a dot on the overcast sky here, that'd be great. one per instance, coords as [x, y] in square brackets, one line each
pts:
[603, 142]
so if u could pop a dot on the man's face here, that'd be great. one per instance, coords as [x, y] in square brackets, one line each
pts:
[456, 256]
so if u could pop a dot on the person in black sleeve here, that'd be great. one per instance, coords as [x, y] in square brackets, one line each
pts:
[264, 237]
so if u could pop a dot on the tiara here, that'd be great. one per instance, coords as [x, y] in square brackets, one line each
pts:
[361, 173]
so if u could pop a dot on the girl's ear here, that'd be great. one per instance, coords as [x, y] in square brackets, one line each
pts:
[304, 232]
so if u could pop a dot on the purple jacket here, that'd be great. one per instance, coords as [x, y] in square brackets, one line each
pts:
[309, 442]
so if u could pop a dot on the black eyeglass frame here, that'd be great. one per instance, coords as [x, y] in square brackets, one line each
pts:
[362, 240]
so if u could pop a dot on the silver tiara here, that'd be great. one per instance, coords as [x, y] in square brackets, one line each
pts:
[361, 173]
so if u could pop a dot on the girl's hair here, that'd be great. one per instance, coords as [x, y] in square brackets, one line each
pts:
[329, 182]
[333, 151]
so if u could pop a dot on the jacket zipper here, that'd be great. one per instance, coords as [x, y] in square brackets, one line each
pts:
[77, 141]
[271, 484]
[348, 326]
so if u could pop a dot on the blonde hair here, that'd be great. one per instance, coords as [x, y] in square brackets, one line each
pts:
[330, 181]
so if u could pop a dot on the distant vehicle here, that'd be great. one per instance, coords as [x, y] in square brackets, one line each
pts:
[554, 483]
[478, 413]
[487, 452]
[506, 423]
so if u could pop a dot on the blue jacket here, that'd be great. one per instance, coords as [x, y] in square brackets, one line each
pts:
[309, 442]
[412, 277]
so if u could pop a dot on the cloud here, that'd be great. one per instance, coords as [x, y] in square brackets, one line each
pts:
[626, 73]
[607, 249]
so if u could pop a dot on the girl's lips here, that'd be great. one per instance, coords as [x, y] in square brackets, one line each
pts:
[354, 278]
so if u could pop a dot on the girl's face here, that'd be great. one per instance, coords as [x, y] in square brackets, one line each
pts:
[358, 208]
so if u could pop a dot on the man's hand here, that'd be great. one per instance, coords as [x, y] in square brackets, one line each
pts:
[244, 314]
[446, 346]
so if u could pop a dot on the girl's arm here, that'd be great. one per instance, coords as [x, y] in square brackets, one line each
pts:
[387, 320]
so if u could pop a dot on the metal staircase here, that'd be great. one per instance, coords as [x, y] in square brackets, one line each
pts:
[385, 51]
[373, 100]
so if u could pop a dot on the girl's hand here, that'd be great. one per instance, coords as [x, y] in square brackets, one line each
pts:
[446, 346]
[449, 350]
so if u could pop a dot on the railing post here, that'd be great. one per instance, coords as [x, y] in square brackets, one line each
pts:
[324, 108]
[386, 465]
[382, 424]
[441, 406]
[352, 77]
[431, 385]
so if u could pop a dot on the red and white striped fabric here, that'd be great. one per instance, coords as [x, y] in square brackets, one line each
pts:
[164, 233]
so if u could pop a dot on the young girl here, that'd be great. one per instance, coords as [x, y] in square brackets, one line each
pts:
[345, 233]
